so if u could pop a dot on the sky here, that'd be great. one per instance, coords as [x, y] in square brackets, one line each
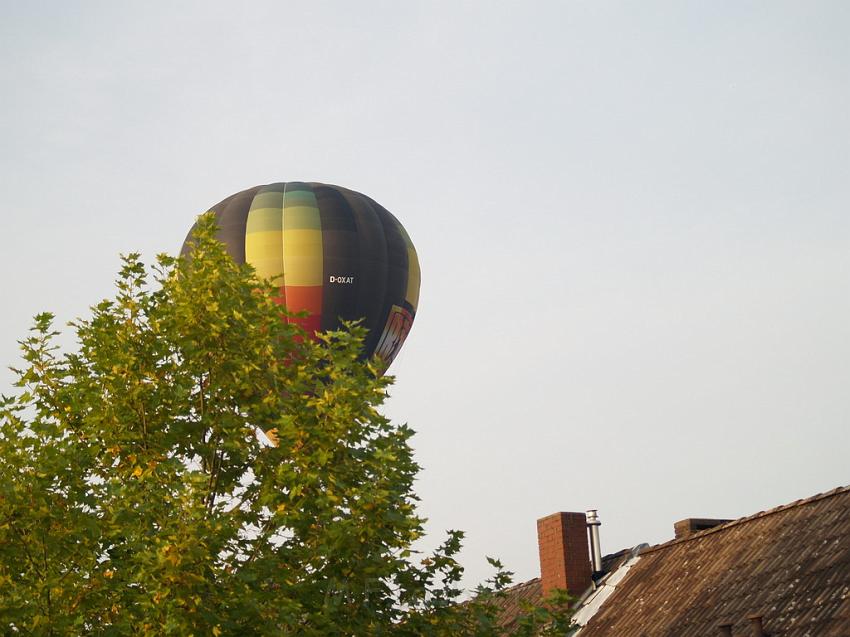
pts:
[632, 219]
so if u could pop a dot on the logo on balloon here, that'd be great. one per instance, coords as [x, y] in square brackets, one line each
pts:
[396, 330]
[340, 279]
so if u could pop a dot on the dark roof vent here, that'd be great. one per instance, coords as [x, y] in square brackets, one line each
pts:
[724, 629]
[684, 528]
[757, 626]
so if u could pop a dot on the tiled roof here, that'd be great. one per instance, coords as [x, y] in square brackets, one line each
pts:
[790, 564]
[511, 603]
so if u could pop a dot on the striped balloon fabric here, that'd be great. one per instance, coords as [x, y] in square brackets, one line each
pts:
[333, 252]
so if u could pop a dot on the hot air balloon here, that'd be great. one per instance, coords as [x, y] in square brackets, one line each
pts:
[335, 253]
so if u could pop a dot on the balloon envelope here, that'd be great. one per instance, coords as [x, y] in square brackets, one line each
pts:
[335, 253]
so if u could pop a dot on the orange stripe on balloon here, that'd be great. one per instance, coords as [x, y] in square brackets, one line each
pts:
[305, 299]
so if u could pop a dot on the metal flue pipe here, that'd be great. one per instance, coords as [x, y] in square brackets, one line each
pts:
[593, 524]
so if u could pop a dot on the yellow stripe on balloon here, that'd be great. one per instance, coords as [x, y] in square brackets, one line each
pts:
[302, 257]
[263, 251]
[414, 276]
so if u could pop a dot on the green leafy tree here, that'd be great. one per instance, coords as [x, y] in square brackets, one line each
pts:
[199, 466]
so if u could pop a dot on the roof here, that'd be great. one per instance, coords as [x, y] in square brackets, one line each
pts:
[513, 599]
[790, 564]
[595, 598]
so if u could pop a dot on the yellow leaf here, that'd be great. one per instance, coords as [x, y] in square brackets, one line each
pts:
[271, 434]
[108, 574]
[137, 472]
[216, 631]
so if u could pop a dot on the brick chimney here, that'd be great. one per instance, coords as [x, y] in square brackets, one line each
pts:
[685, 528]
[564, 555]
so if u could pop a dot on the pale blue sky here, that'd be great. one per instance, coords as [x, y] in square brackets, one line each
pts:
[633, 221]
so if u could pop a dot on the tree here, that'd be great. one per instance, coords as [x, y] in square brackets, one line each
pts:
[200, 466]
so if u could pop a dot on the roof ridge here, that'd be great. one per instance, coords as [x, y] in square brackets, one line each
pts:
[516, 585]
[749, 518]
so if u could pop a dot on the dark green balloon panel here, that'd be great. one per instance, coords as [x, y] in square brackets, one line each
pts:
[333, 252]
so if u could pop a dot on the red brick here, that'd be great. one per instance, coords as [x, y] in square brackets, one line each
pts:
[564, 553]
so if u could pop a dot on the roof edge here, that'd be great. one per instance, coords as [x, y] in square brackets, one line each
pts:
[749, 518]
